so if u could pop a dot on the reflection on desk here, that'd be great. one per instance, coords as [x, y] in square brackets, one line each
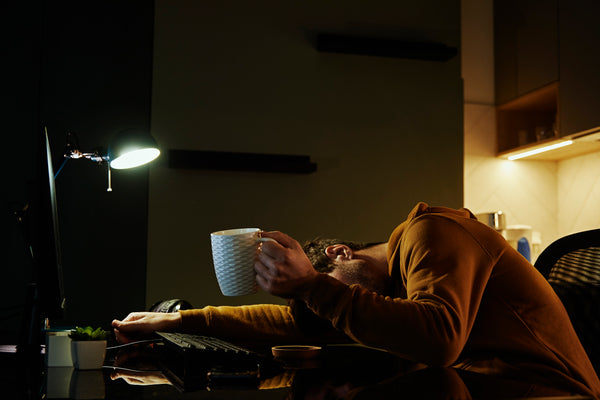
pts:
[70, 383]
[341, 372]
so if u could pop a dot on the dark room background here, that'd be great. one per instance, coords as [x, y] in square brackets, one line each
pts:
[234, 76]
[85, 69]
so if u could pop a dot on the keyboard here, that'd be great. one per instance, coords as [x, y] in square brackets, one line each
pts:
[194, 361]
[188, 342]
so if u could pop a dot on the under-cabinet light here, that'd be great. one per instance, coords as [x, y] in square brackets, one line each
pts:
[540, 150]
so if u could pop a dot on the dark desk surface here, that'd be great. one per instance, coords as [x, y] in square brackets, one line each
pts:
[341, 372]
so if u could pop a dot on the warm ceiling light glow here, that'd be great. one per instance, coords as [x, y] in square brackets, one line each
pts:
[540, 150]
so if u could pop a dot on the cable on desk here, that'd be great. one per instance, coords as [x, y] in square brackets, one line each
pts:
[119, 346]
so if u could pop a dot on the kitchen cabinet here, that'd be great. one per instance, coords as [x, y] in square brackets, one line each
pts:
[526, 51]
[579, 63]
[528, 119]
[547, 76]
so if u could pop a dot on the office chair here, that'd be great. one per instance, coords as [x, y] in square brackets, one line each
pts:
[574, 258]
[572, 266]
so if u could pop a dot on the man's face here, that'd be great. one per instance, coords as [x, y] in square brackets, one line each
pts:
[357, 271]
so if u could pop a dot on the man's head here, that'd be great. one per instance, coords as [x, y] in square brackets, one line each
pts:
[337, 258]
[351, 262]
[316, 251]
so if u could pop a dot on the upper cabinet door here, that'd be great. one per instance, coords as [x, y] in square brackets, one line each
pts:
[579, 100]
[505, 50]
[526, 46]
[537, 48]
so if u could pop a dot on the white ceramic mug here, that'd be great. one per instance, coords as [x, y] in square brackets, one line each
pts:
[234, 253]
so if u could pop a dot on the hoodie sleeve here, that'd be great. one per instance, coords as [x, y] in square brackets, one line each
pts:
[260, 323]
[445, 271]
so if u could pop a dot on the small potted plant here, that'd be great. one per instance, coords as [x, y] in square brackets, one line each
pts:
[88, 347]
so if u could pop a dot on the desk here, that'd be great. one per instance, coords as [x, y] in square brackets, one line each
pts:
[341, 372]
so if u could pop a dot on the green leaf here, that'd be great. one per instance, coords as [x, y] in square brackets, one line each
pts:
[88, 333]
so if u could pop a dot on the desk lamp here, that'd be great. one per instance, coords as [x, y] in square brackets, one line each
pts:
[39, 223]
[129, 149]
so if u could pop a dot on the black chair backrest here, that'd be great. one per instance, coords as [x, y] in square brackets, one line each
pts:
[572, 266]
[574, 258]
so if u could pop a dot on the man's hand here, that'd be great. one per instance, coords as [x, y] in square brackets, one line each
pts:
[282, 268]
[139, 324]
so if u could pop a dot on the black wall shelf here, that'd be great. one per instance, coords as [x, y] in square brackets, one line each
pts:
[384, 47]
[230, 161]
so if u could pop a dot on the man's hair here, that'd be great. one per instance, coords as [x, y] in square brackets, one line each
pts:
[315, 250]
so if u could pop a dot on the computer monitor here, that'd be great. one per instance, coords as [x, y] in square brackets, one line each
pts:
[45, 292]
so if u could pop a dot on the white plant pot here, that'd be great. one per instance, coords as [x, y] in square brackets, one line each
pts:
[88, 354]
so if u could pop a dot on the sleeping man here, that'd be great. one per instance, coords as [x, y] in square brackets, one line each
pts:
[444, 290]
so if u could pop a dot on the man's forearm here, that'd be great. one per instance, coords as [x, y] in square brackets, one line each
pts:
[267, 323]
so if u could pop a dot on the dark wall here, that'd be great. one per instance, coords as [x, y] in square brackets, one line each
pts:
[85, 69]
[244, 76]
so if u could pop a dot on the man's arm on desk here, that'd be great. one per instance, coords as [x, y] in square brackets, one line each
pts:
[141, 324]
[266, 323]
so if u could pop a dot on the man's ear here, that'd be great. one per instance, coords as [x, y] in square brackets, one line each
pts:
[339, 252]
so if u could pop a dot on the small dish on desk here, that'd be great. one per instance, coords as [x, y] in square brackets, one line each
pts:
[295, 352]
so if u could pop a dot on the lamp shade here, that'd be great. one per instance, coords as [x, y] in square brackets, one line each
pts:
[132, 148]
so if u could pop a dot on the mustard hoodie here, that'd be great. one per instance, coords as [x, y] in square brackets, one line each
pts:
[464, 298]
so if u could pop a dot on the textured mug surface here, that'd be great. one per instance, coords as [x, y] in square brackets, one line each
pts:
[234, 253]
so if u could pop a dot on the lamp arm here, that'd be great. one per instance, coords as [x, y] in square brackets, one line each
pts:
[93, 156]
[96, 157]
[73, 151]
